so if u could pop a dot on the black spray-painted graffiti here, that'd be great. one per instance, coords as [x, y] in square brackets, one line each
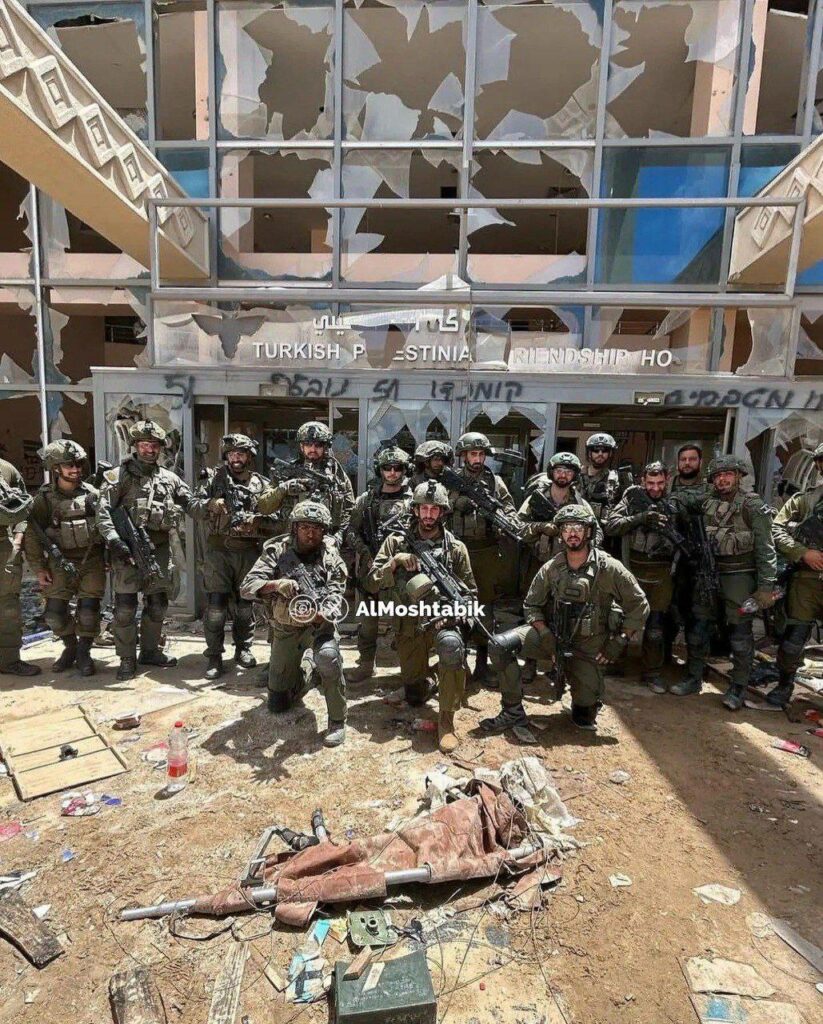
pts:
[753, 398]
[299, 385]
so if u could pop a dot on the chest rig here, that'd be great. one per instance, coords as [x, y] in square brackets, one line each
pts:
[729, 530]
[72, 519]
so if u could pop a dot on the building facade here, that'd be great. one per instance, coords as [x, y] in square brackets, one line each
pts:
[513, 217]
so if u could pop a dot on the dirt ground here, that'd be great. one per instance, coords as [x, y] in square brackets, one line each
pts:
[708, 801]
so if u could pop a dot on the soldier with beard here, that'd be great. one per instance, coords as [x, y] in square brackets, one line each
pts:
[15, 505]
[689, 466]
[430, 458]
[601, 485]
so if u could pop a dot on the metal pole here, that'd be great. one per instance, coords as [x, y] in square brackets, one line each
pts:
[38, 315]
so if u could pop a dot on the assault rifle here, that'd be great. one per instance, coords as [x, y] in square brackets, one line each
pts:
[141, 549]
[53, 552]
[310, 585]
[490, 507]
[706, 579]
[542, 508]
[564, 625]
[640, 502]
[809, 532]
[376, 532]
[15, 504]
[239, 499]
[282, 471]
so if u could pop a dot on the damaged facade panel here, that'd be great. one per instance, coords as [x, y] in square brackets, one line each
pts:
[181, 61]
[72, 249]
[18, 330]
[20, 434]
[532, 55]
[625, 340]
[277, 242]
[15, 226]
[274, 70]
[773, 103]
[809, 362]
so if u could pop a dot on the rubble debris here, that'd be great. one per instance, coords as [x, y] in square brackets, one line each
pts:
[225, 998]
[718, 894]
[32, 936]
[619, 881]
[13, 880]
[719, 1009]
[790, 747]
[10, 830]
[620, 778]
[79, 805]
[135, 998]
[371, 928]
[309, 976]
[275, 977]
[360, 963]
[727, 977]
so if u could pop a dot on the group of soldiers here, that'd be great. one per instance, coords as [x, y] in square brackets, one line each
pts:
[603, 559]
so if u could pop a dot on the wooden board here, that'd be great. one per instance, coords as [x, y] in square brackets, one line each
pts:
[33, 938]
[135, 998]
[31, 749]
[225, 998]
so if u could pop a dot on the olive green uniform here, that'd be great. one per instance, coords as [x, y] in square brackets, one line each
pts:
[155, 498]
[650, 560]
[11, 621]
[69, 521]
[371, 510]
[606, 599]
[230, 554]
[338, 497]
[414, 645]
[291, 639]
[544, 547]
[804, 597]
[602, 489]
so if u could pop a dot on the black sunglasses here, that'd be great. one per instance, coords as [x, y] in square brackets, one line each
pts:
[599, 449]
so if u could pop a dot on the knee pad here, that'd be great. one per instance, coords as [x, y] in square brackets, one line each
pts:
[450, 649]
[795, 638]
[56, 615]
[125, 609]
[155, 606]
[88, 613]
[504, 647]
[215, 615]
[655, 626]
[327, 660]
[243, 611]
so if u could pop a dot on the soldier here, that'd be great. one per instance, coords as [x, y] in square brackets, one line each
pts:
[601, 485]
[648, 519]
[227, 501]
[153, 497]
[15, 504]
[804, 597]
[480, 537]
[582, 609]
[389, 495]
[298, 622]
[739, 531]
[689, 466]
[315, 440]
[395, 569]
[64, 510]
[430, 459]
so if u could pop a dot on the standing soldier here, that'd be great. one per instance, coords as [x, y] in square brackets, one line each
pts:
[644, 514]
[397, 569]
[15, 504]
[582, 609]
[601, 485]
[689, 466]
[65, 549]
[227, 501]
[390, 495]
[336, 494]
[152, 498]
[430, 459]
[482, 540]
[302, 577]
[739, 532]
[798, 534]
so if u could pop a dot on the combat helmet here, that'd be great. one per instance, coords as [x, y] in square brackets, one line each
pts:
[310, 512]
[314, 430]
[237, 442]
[602, 440]
[59, 452]
[573, 514]
[471, 441]
[726, 464]
[146, 430]
[391, 456]
[565, 460]
[433, 449]
[655, 468]
[431, 493]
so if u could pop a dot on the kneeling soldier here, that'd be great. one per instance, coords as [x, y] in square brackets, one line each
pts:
[398, 569]
[582, 608]
[303, 575]
[65, 549]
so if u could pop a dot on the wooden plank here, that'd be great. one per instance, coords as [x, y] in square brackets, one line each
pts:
[77, 771]
[51, 755]
[360, 963]
[34, 938]
[65, 713]
[135, 998]
[225, 998]
[49, 734]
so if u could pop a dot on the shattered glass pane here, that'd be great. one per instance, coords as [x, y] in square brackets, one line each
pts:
[72, 249]
[107, 43]
[810, 343]
[525, 340]
[404, 70]
[755, 342]
[395, 246]
[71, 414]
[779, 39]
[647, 341]
[538, 67]
[514, 427]
[18, 329]
[759, 164]
[20, 434]
[406, 423]
[783, 461]
[15, 229]
[276, 242]
[672, 68]
[529, 246]
[181, 61]
[189, 168]
[274, 70]
[407, 338]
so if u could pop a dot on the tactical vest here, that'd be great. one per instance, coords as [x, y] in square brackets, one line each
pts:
[150, 499]
[548, 547]
[331, 497]
[471, 526]
[600, 491]
[729, 529]
[594, 610]
[72, 525]
[220, 522]
[278, 609]
[382, 507]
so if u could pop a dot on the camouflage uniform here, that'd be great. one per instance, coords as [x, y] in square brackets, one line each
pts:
[422, 456]
[154, 497]
[13, 490]
[231, 551]
[68, 520]
[603, 488]
[291, 638]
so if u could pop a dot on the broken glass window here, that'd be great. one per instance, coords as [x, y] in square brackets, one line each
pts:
[416, 337]
[274, 70]
[525, 339]
[15, 228]
[537, 70]
[71, 414]
[529, 246]
[277, 242]
[72, 249]
[755, 342]
[107, 43]
[781, 443]
[181, 62]
[809, 361]
[18, 329]
[779, 41]
[760, 163]
[647, 341]
[21, 434]
[672, 68]
[404, 70]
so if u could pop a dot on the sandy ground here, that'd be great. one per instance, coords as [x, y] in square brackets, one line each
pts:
[708, 801]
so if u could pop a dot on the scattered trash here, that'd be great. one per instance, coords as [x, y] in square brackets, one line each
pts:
[790, 747]
[317, 935]
[79, 805]
[9, 831]
[339, 928]
[760, 925]
[819, 987]
[401, 900]
[360, 963]
[37, 638]
[32, 936]
[619, 881]
[128, 721]
[225, 998]
[813, 715]
[811, 953]
[718, 894]
[177, 762]
[275, 977]
[156, 755]
[726, 976]
[3, 769]
[530, 785]
[620, 778]
[42, 911]
[719, 1009]
[111, 801]
[66, 856]
[308, 976]
[32, 834]
[424, 725]
[372, 928]
[14, 879]
[816, 732]
[30, 996]
[396, 699]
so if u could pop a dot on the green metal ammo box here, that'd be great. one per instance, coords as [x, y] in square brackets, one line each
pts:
[403, 993]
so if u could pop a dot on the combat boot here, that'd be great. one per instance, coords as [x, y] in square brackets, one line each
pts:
[280, 701]
[244, 658]
[84, 660]
[693, 683]
[780, 695]
[215, 667]
[156, 657]
[446, 735]
[509, 717]
[127, 670]
[20, 668]
[360, 672]
[654, 682]
[335, 735]
[586, 717]
[733, 698]
[69, 655]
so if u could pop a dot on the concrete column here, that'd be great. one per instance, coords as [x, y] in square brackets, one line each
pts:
[759, 15]
[201, 74]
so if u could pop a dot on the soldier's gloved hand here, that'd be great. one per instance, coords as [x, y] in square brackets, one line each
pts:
[120, 549]
[295, 487]
[462, 503]
[284, 588]
[406, 560]
[218, 506]
[654, 519]
[612, 649]
[549, 530]
[765, 598]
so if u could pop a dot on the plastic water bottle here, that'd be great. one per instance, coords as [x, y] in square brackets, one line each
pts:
[750, 606]
[178, 759]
